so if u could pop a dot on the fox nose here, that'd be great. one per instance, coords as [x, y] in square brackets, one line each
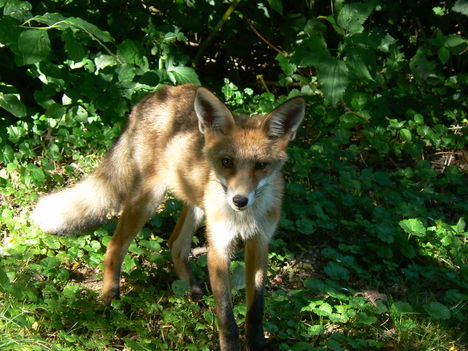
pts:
[240, 201]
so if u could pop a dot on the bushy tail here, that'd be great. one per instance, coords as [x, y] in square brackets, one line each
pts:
[89, 202]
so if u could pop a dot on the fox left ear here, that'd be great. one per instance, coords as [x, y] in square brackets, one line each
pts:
[285, 119]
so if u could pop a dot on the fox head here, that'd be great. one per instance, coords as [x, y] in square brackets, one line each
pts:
[245, 153]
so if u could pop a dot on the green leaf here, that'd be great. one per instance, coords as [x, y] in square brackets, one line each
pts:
[129, 51]
[314, 28]
[336, 271]
[353, 15]
[21, 10]
[413, 226]
[405, 135]
[311, 52]
[58, 21]
[180, 288]
[437, 310]
[50, 263]
[7, 155]
[181, 75]
[287, 67]
[421, 66]
[9, 31]
[325, 310]
[333, 76]
[13, 104]
[33, 46]
[90, 28]
[73, 47]
[364, 318]
[50, 19]
[276, 5]
[315, 330]
[460, 227]
[444, 54]
[452, 41]
[305, 225]
[461, 6]
[360, 60]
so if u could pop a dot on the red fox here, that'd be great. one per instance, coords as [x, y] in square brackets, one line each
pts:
[225, 168]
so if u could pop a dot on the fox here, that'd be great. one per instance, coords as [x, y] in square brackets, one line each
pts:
[226, 170]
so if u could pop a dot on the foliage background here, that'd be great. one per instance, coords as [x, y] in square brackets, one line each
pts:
[372, 248]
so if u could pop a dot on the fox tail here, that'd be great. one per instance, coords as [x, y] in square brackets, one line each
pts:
[90, 201]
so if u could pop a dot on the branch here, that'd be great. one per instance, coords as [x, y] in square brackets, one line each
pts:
[249, 22]
[216, 29]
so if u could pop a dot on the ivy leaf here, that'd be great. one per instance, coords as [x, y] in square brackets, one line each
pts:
[33, 46]
[413, 226]
[333, 76]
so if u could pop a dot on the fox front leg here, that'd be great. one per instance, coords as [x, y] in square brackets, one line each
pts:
[218, 267]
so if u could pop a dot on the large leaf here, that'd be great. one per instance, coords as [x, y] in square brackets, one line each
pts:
[353, 15]
[21, 10]
[413, 226]
[333, 77]
[362, 62]
[56, 20]
[73, 47]
[33, 46]
[12, 104]
[421, 66]
[311, 52]
[181, 75]
[461, 6]
[437, 310]
[276, 5]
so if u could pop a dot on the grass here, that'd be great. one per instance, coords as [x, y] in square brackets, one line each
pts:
[50, 294]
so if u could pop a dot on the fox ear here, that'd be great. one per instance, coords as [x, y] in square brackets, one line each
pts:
[285, 119]
[212, 114]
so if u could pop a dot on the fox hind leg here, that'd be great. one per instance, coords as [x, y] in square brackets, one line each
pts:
[180, 241]
[135, 214]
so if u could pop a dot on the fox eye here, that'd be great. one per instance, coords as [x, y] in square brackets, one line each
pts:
[227, 162]
[260, 165]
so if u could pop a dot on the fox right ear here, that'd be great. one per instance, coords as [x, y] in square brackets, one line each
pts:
[285, 119]
[212, 114]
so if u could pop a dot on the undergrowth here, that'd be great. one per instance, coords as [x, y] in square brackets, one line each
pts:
[371, 253]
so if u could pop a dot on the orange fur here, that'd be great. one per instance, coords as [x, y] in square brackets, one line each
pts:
[225, 168]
